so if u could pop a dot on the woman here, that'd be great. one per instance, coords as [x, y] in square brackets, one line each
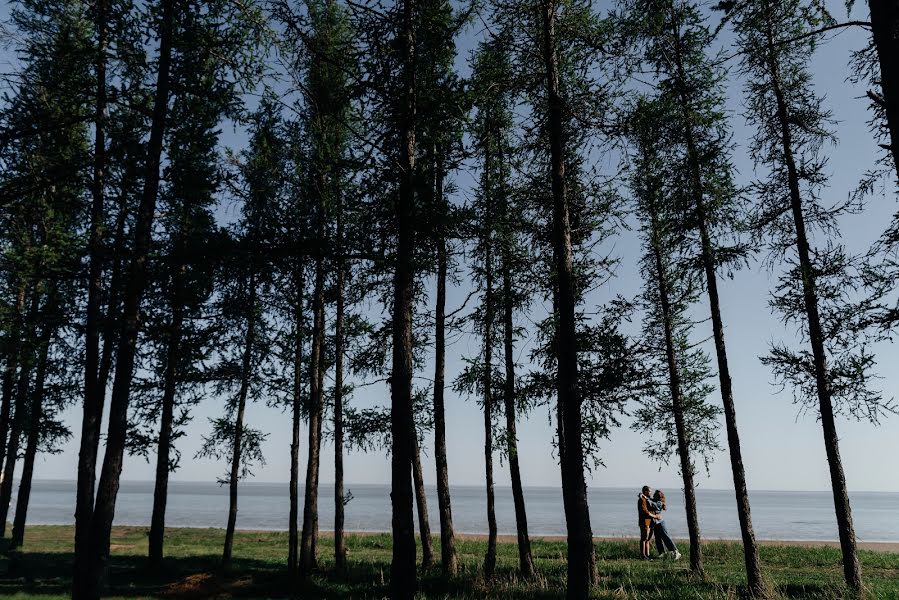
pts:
[664, 543]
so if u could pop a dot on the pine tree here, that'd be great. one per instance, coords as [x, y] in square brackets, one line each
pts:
[815, 290]
[673, 405]
[677, 43]
[246, 281]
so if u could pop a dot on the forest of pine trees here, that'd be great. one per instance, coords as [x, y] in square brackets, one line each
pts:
[269, 202]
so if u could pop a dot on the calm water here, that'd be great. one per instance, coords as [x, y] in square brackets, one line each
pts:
[776, 515]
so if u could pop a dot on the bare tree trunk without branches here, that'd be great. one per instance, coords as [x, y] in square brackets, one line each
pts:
[449, 560]
[421, 503]
[237, 444]
[297, 418]
[35, 419]
[308, 555]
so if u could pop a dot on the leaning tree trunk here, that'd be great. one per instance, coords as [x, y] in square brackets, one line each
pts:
[9, 371]
[449, 560]
[297, 415]
[755, 582]
[403, 578]
[308, 557]
[26, 359]
[339, 500]
[885, 31]
[237, 445]
[111, 318]
[677, 405]
[92, 412]
[525, 558]
[35, 418]
[170, 383]
[851, 567]
[88, 577]
[581, 556]
[421, 503]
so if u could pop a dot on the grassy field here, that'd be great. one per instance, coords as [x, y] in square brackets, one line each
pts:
[43, 570]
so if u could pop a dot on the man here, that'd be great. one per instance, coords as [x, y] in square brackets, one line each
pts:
[645, 518]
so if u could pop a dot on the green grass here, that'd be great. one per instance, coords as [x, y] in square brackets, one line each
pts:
[43, 570]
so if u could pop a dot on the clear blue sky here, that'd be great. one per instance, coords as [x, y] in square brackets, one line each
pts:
[782, 450]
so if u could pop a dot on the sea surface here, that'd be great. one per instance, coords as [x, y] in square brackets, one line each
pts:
[775, 515]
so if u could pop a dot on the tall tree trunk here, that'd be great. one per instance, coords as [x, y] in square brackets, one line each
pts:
[851, 567]
[525, 558]
[339, 543]
[421, 503]
[111, 318]
[487, 383]
[88, 577]
[13, 348]
[308, 555]
[237, 446]
[164, 447]
[885, 30]
[581, 556]
[755, 582]
[490, 555]
[403, 578]
[297, 410]
[449, 560]
[35, 418]
[677, 405]
[26, 360]
[92, 412]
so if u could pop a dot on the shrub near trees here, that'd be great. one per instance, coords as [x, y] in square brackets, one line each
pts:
[358, 127]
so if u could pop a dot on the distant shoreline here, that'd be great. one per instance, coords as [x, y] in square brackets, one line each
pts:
[254, 482]
[888, 547]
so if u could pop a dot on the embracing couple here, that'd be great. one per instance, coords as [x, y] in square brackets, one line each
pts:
[651, 522]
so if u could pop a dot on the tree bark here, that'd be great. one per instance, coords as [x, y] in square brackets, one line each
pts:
[88, 576]
[677, 405]
[164, 447]
[487, 381]
[13, 348]
[237, 446]
[525, 558]
[35, 419]
[111, 318]
[421, 503]
[297, 410]
[755, 582]
[449, 560]
[403, 578]
[581, 556]
[308, 555]
[339, 543]
[885, 32]
[92, 412]
[851, 567]
[26, 360]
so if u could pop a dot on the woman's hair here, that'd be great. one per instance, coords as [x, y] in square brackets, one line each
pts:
[659, 496]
